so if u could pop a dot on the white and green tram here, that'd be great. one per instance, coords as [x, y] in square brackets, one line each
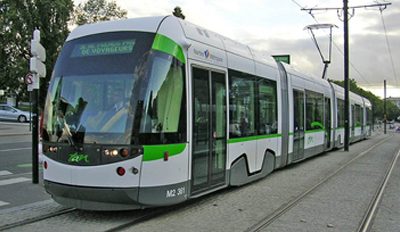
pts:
[154, 111]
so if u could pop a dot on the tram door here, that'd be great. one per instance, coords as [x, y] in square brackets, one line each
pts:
[298, 135]
[353, 120]
[327, 122]
[209, 130]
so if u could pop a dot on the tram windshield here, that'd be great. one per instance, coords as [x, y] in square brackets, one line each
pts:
[113, 88]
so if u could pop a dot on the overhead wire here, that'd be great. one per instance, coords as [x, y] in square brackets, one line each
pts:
[297, 3]
[389, 49]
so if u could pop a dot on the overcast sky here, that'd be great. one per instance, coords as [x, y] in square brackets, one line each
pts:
[277, 27]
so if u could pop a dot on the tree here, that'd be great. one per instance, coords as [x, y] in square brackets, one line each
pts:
[97, 10]
[18, 20]
[377, 104]
[14, 54]
[178, 13]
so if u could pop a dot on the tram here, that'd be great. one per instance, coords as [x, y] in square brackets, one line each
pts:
[154, 111]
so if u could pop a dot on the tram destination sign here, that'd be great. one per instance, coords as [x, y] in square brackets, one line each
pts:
[103, 48]
[282, 58]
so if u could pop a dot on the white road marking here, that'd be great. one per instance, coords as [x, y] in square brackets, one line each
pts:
[2, 203]
[16, 149]
[13, 181]
[5, 173]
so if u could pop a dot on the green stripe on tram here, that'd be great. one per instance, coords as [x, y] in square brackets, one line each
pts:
[155, 152]
[252, 138]
[167, 45]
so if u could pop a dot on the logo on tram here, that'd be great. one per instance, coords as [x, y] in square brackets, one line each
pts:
[78, 157]
[207, 55]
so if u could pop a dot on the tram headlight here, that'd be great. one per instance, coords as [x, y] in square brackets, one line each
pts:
[114, 152]
[111, 152]
[47, 148]
[122, 152]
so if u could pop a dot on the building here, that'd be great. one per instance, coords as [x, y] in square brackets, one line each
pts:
[395, 100]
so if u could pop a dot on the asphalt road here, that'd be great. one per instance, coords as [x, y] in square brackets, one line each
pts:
[16, 186]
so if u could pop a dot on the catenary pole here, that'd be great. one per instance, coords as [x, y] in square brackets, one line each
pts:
[346, 75]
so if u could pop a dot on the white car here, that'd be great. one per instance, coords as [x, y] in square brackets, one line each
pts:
[10, 113]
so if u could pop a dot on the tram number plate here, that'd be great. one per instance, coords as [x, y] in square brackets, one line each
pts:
[175, 192]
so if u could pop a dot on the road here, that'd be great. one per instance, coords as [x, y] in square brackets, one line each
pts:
[16, 186]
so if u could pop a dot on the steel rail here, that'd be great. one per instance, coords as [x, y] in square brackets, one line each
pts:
[286, 207]
[36, 219]
[367, 220]
[146, 216]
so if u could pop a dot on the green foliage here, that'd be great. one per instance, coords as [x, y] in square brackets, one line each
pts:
[377, 104]
[97, 10]
[18, 20]
[178, 12]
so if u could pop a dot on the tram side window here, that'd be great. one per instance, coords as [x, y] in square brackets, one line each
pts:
[314, 110]
[267, 106]
[353, 117]
[358, 116]
[340, 112]
[369, 116]
[242, 104]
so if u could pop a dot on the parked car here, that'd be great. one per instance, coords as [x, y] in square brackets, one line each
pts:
[11, 113]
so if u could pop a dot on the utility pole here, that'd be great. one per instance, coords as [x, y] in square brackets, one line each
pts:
[345, 9]
[346, 76]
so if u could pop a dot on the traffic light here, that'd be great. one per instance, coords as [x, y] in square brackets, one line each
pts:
[37, 67]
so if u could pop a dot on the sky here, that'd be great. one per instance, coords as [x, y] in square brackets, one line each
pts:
[277, 27]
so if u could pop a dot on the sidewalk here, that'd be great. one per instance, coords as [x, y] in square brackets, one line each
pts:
[12, 128]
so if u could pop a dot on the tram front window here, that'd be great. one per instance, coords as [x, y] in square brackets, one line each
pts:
[91, 109]
[113, 88]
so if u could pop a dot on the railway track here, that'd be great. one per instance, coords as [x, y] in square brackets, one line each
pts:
[367, 219]
[141, 216]
[36, 219]
[129, 219]
[146, 216]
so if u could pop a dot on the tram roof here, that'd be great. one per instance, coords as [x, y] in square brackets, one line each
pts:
[184, 33]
